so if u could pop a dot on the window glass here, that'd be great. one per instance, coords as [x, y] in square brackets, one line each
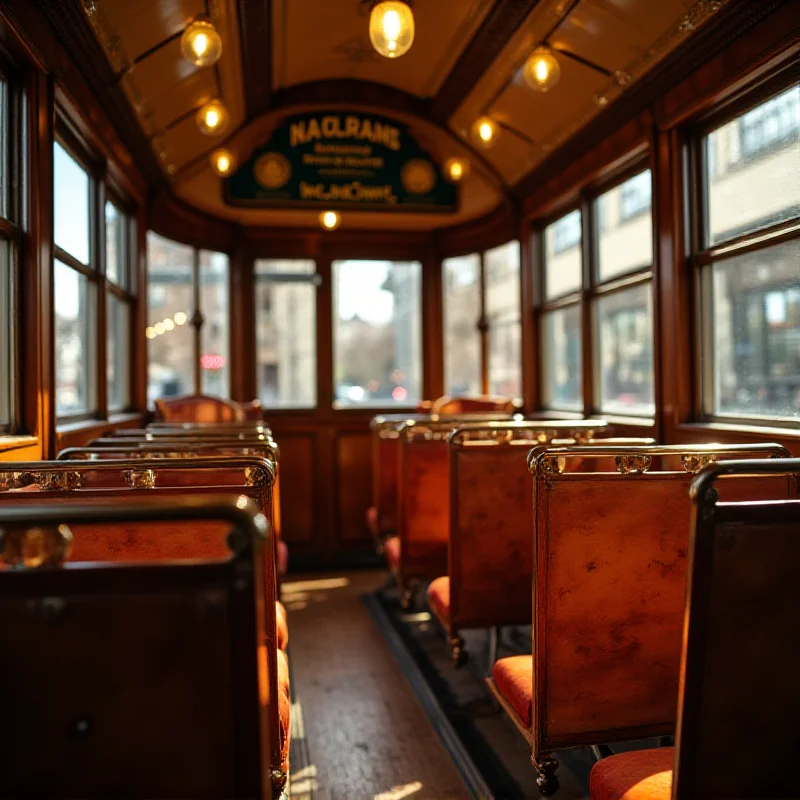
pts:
[563, 258]
[756, 333]
[625, 227]
[118, 352]
[286, 332]
[624, 358]
[752, 166]
[503, 315]
[73, 340]
[71, 205]
[5, 183]
[377, 342]
[5, 333]
[462, 310]
[563, 376]
[215, 333]
[171, 356]
[117, 251]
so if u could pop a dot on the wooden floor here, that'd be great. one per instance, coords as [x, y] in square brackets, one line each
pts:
[358, 723]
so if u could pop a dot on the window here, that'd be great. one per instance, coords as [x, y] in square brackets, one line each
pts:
[286, 333]
[503, 318]
[462, 315]
[563, 260]
[187, 290]
[377, 336]
[750, 298]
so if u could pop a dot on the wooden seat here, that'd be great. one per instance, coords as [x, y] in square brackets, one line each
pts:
[138, 679]
[739, 690]
[198, 408]
[608, 592]
[473, 404]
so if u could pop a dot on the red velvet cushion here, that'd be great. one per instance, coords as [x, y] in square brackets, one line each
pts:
[639, 775]
[513, 678]
[282, 625]
[282, 554]
[439, 598]
[372, 521]
[284, 708]
[391, 549]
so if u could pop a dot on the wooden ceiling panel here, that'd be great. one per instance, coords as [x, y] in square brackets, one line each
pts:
[161, 71]
[315, 41]
[184, 142]
[182, 97]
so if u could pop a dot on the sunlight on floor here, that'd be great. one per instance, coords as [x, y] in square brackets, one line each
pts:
[293, 587]
[304, 783]
[399, 792]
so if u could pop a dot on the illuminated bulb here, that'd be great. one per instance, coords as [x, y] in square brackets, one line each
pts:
[180, 318]
[159, 328]
[391, 28]
[330, 220]
[150, 333]
[484, 131]
[212, 118]
[201, 44]
[541, 70]
[168, 324]
[455, 169]
[222, 162]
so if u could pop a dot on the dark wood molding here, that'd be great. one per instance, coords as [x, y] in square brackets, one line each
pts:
[495, 228]
[494, 34]
[737, 17]
[255, 35]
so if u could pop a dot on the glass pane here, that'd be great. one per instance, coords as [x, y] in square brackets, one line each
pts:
[503, 316]
[171, 356]
[286, 333]
[71, 205]
[625, 351]
[74, 352]
[377, 341]
[117, 252]
[625, 227]
[5, 181]
[215, 336]
[753, 169]
[5, 333]
[462, 310]
[756, 333]
[563, 368]
[563, 259]
[119, 342]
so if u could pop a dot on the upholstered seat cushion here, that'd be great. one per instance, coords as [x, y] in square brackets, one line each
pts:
[284, 708]
[639, 775]
[391, 549]
[513, 678]
[282, 626]
[282, 555]
[372, 521]
[439, 599]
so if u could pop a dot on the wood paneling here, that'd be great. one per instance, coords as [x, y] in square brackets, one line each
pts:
[298, 486]
[354, 482]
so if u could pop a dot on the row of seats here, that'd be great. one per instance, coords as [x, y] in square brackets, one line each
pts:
[142, 608]
[589, 541]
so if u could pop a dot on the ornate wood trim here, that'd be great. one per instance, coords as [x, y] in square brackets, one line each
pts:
[255, 34]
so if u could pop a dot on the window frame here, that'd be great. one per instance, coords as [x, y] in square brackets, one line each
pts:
[701, 256]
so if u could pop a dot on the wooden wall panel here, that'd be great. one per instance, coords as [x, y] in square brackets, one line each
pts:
[354, 486]
[298, 488]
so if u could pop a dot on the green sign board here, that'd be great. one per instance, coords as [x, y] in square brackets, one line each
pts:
[341, 160]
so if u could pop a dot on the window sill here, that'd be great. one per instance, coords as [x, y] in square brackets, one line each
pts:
[90, 424]
[742, 429]
[9, 443]
[633, 422]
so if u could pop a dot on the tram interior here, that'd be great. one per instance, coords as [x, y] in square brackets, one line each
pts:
[400, 399]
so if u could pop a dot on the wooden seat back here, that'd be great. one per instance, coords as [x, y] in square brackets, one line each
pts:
[473, 404]
[198, 408]
[610, 556]
[135, 680]
[739, 689]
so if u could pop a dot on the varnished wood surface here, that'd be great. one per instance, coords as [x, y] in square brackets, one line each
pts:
[366, 734]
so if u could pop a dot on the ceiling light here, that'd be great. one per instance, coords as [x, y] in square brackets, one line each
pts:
[201, 44]
[150, 333]
[455, 169]
[212, 118]
[159, 328]
[330, 220]
[168, 324]
[180, 318]
[484, 131]
[541, 70]
[391, 28]
[223, 162]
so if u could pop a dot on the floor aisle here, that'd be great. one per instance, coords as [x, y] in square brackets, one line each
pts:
[366, 736]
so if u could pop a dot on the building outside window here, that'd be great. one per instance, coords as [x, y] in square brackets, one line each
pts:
[463, 310]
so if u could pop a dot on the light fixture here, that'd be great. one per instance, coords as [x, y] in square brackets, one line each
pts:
[212, 118]
[484, 131]
[168, 324]
[159, 328]
[181, 318]
[201, 44]
[330, 220]
[391, 28]
[150, 333]
[223, 162]
[455, 169]
[541, 70]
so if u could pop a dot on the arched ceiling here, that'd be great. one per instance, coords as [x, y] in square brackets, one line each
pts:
[285, 56]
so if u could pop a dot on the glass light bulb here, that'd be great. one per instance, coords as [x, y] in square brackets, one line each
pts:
[330, 220]
[168, 324]
[212, 118]
[391, 28]
[180, 318]
[159, 328]
[223, 162]
[484, 132]
[541, 70]
[201, 44]
[455, 169]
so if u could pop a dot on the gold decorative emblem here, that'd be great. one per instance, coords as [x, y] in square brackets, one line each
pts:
[272, 170]
[255, 476]
[418, 176]
[57, 481]
[140, 478]
[633, 465]
[35, 547]
[553, 465]
[11, 480]
[694, 463]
